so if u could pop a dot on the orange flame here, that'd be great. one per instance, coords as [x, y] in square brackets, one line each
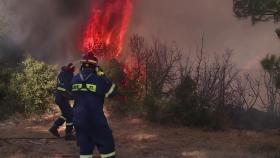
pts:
[105, 31]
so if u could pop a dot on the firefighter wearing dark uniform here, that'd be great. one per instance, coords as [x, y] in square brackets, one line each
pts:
[90, 87]
[62, 98]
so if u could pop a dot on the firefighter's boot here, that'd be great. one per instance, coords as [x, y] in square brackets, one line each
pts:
[54, 131]
[69, 133]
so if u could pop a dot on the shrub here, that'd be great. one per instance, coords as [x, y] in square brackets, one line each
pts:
[186, 109]
[34, 86]
[127, 99]
[182, 109]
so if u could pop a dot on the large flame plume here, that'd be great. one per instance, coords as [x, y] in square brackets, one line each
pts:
[105, 31]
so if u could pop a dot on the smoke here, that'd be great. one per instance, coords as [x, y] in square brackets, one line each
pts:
[49, 29]
[46, 29]
[184, 21]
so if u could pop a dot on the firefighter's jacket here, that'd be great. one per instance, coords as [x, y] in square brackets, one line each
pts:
[64, 84]
[89, 91]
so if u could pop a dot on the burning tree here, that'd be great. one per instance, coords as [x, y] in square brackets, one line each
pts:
[105, 30]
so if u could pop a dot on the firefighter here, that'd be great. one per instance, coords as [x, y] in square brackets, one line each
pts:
[89, 90]
[62, 98]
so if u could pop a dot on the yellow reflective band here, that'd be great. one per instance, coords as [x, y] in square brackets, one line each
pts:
[85, 156]
[108, 155]
[79, 87]
[63, 118]
[84, 89]
[76, 87]
[61, 89]
[69, 124]
[91, 87]
[111, 90]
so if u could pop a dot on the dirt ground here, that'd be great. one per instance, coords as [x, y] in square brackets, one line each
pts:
[136, 138]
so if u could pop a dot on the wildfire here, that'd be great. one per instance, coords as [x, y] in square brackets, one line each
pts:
[105, 31]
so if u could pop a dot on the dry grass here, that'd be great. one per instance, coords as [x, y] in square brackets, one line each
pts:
[139, 139]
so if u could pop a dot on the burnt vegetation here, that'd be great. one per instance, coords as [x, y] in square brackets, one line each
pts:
[158, 83]
[198, 90]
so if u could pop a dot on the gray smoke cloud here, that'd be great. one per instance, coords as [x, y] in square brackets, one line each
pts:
[49, 29]
[46, 29]
[184, 21]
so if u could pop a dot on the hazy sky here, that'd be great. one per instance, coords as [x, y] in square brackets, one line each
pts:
[184, 21]
[47, 30]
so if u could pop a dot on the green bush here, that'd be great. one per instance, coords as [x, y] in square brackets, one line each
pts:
[34, 86]
[26, 87]
[187, 109]
[184, 108]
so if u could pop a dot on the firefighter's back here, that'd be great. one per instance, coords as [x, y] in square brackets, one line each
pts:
[89, 92]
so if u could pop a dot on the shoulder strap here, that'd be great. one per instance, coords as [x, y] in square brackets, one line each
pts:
[85, 79]
[82, 77]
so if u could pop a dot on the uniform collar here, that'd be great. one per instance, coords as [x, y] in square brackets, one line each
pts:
[87, 71]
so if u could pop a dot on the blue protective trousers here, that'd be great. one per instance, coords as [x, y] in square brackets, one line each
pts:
[66, 113]
[92, 133]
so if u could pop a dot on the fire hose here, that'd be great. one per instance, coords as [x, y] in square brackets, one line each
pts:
[26, 138]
